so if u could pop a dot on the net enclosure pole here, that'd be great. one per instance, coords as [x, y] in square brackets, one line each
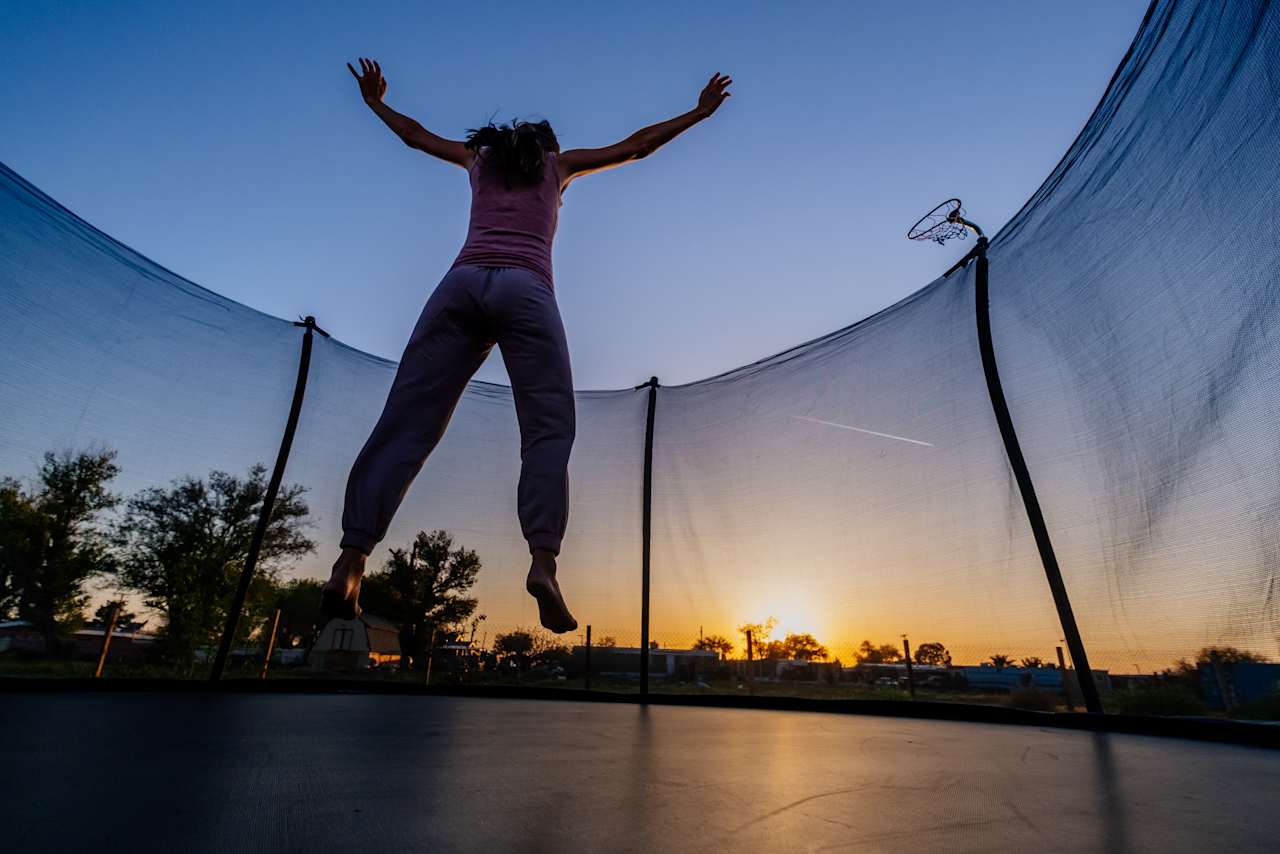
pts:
[646, 527]
[268, 501]
[1071, 632]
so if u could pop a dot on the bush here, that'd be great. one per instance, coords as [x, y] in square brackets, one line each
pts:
[1033, 699]
[1154, 700]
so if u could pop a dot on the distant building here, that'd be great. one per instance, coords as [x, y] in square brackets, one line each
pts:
[356, 644]
[625, 661]
[988, 676]
[983, 677]
[925, 675]
[1244, 682]
[20, 636]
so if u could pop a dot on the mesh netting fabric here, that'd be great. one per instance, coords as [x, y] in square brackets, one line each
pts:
[854, 487]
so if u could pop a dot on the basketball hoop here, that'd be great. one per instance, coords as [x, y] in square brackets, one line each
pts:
[943, 223]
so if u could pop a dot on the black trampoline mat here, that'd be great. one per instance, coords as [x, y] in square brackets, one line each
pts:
[273, 773]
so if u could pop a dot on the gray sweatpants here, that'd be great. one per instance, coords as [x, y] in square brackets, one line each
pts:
[472, 309]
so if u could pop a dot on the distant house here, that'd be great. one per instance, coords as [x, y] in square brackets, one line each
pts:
[1244, 681]
[356, 644]
[20, 636]
[987, 676]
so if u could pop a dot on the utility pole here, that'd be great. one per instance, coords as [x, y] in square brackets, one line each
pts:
[271, 645]
[106, 640]
[431, 654]
[1066, 689]
[911, 678]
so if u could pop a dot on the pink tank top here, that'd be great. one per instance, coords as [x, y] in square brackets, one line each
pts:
[512, 226]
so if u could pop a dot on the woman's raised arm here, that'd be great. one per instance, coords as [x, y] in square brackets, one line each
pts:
[373, 86]
[642, 143]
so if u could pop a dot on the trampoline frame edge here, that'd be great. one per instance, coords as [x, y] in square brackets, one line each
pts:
[1253, 734]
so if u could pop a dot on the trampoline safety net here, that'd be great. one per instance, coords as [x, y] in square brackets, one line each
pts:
[853, 489]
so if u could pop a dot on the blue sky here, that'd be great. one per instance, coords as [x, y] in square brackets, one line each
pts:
[227, 141]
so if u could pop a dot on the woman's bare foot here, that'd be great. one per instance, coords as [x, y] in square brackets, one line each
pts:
[340, 596]
[542, 586]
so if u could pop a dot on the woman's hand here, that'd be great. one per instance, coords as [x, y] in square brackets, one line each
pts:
[372, 84]
[713, 95]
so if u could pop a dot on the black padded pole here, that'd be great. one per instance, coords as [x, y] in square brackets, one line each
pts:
[646, 524]
[268, 501]
[1070, 631]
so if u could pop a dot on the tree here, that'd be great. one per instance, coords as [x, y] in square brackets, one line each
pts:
[423, 588]
[51, 542]
[759, 634]
[515, 645]
[298, 600]
[932, 653]
[19, 540]
[126, 620]
[1228, 655]
[183, 549]
[1001, 661]
[1033, 661]
[718, 644]
[773, 651]
[526, 647]
[885, 653]
[803, 647]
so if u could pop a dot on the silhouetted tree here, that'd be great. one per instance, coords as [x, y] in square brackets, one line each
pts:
[126, 620]
[803, 647]
[932, 653]
[423, 589]
[51, 542]
[1032, 661]
[1228, 655]
[102, 614]
[885, 653]
[19, 540]
[773, 650]
[526, 647]
[1000, 660]
[515, 646]
[759, 636]
[183, 549]
[298, 600]
[714, 643]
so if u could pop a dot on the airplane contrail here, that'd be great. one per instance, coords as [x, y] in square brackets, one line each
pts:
[860, 430]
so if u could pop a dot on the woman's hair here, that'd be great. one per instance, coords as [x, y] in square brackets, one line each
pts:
[518, 149]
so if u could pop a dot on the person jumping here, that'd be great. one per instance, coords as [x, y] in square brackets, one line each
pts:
[498, 291]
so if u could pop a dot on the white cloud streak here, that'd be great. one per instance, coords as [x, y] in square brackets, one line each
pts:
[860, 430]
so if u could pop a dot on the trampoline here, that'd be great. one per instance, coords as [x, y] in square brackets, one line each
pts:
[325, 772]
[1092, 402]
